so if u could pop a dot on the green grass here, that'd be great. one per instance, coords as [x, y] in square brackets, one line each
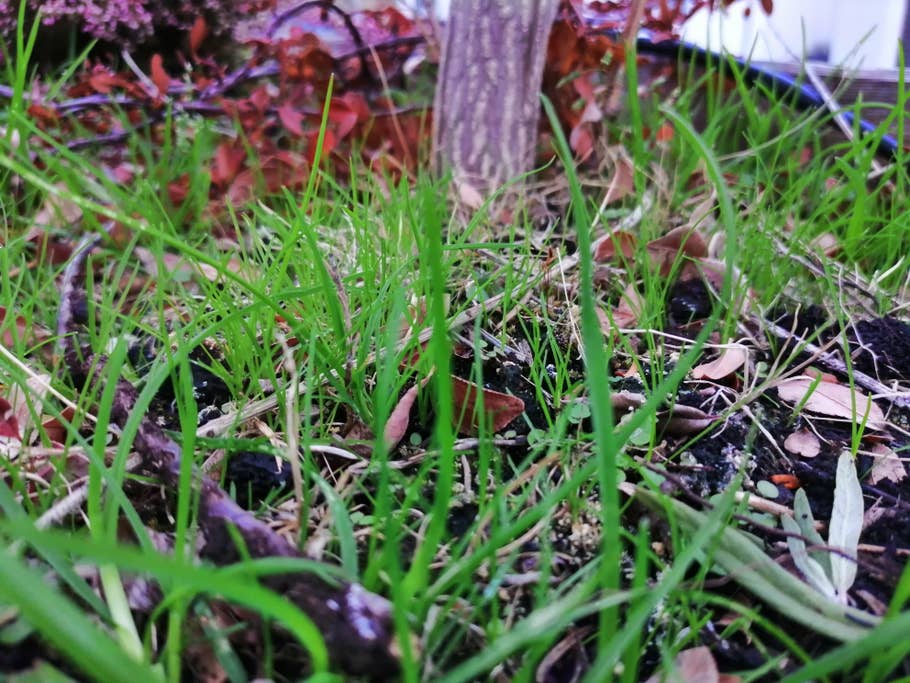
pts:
[338, 271]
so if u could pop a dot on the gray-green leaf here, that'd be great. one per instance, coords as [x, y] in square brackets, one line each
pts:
[813, 572]
[846, 525]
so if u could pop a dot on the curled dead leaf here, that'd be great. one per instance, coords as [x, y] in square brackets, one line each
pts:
[616, 242]
[9, 424]
[627, 313]
[622, 184]
[835, 400]
[696, 665]
[731, 359]
[886, 464]
[399, 419]
[803, 442]
[667, 250]
[682, 420]
[499, 409]
[468, 195]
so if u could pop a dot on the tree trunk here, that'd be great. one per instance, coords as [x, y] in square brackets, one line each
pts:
[487, 100]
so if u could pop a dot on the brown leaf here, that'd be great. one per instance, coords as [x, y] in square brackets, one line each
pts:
[827, 398]
[664, 132]
[581, 140]
[9, 425]
[626, 400]
[631, 304]
[227, 163]
[684, 420]
[57, 210]
[187, 270]
[695, 665]
[666, 251]
[622, 184]
[26, 401]
[342, 116]
[25, 333]
[803, 442]
[617, 242]
[397, 424]
[826, 243]
[886, 464]
[398, 420]
[767, 6]
[54, 429]
[499, 409]
[731, 359]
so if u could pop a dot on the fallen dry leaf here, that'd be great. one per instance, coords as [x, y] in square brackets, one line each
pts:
[28, 334]
[731, 359]
[667, 250]
[886, 464]
[803, 442]
[628, 311]
[617, 241]
[826, 243]
[397, 424]
[622, 184]
[174, 263]
[695, 665]
[57, 211]
[26, 403]
[499, 409]
[9, 425]
[835, 400]
[683, 420]
[469, 195]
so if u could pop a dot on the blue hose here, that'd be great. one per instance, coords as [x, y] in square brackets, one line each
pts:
[805, 96]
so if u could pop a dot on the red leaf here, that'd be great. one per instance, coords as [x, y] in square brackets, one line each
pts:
[788, 481]
[328, 144]
[664, 132]
[103, 82]
[499, 409]
[581, 140]
[617, 242]
[227, 163]
[9, 338]
[197, 34]
[682, 241]
[159, 76]
[291, 118]
[177, 190]
[767, 6]
[260, 99]
[343, 117]
[9, 425]
[44, 115]
[398, 421]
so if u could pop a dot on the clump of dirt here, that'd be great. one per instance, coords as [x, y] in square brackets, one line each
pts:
[255, 476]
[881, 348]
[210, 391]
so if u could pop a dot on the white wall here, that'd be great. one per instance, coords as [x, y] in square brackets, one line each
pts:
[828, 30]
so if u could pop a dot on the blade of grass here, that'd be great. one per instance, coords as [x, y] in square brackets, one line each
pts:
[606, 445]
[67, 627]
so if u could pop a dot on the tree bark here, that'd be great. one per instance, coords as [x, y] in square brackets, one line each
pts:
[487, 104]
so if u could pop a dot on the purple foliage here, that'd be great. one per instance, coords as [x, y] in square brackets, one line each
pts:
[127, 22]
